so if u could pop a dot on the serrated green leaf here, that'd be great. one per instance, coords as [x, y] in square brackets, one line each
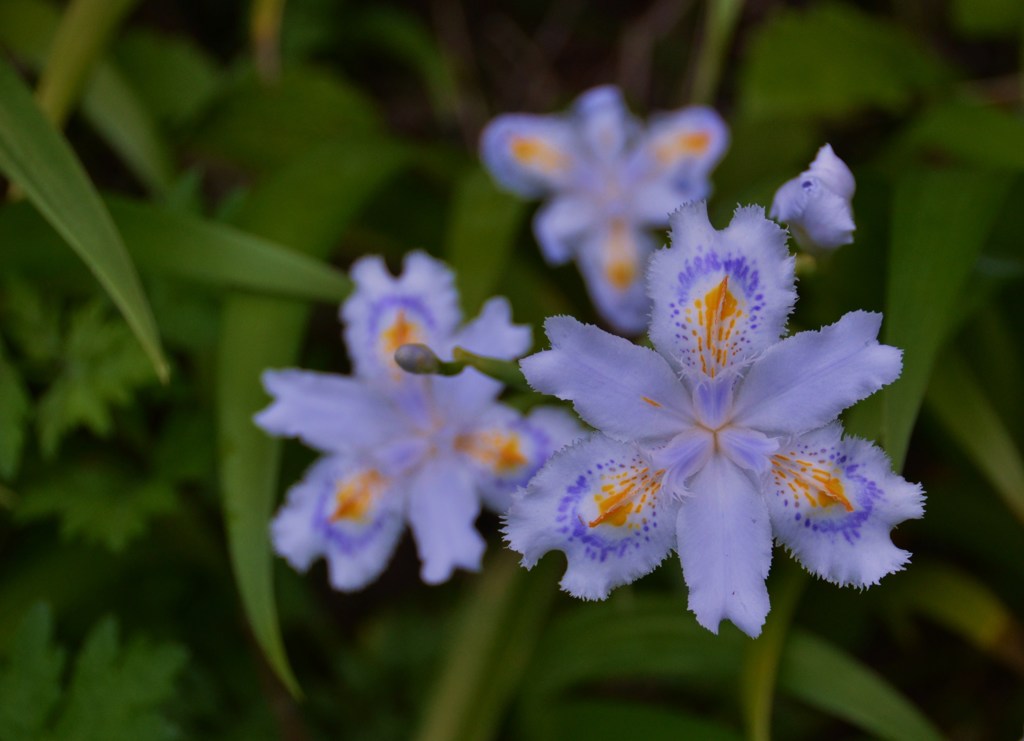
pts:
[14, 409]
[831, 60]
[35, 157]
[97, 503]
[940, 221]
[834, 682]
[958, 401]
[101, 366]
[483, 223]
[116, 692]
[307, 206]
[30, 678]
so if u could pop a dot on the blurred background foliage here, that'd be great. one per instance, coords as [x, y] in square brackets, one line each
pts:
[215, 166]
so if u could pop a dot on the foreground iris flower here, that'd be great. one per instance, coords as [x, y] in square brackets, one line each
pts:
[722, 437]
[608, 182]
[816, 205]
[400, 447]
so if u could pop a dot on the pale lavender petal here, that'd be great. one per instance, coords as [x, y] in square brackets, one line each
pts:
[627, 391]
[725, 545]
[806, 380]
[384, 312]
[345, 512]
[328, 412]
[443, 507]
[833, 173]
[656, 199]
[685, 144]
[604, 123]
[720, 297]
[530, 155]
[562, 225]
[506, 449]
[833, 503]
[816, 205]
[601, 504]
[686, 453]
[612, 261]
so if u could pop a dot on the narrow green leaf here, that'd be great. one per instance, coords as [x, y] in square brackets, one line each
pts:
[973, 133]
[961, 603]
[14, 409]
[987, 17]
[834, 682]
[614, 720]
[307, 206]
[83, 32]
[956, 398]
[482, 228]
[720, 19]
[34, 156]
[939, 223]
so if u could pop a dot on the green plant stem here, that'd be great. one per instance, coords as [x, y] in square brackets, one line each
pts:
[720, 19]
[761, 664]
[82, 35]
[265, 36]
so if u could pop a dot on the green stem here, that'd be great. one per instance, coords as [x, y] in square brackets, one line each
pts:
[720, 19]
[265, 35]
[761, 664]
[82, 35]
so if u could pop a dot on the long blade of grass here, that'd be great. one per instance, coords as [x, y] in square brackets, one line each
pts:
[307, 206]
[40, 162]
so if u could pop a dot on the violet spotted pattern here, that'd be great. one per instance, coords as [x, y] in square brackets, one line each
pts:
[608, 181]
[721, 439]
[401, 448]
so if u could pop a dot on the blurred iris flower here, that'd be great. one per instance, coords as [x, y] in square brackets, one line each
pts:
[816, 206]
[720, 438]
[400, 447]
[608, 181]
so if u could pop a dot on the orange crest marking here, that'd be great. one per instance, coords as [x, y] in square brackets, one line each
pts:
[354, 496]
[536, 153]
[399, 332]
[620, 263]
[626, 492]
[681, 145]
[819, 487]
[499, 451]
[716, 316]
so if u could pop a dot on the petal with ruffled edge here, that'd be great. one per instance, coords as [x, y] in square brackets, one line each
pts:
[328, 412]
[725, 545]
[677, 154]
[626, 391]
[493, 334]
[506, 449]
[612, 260]
[833, 503]
[563, 225]
[720, 297]
[599, 502]
[385, 312]
[806, 380]
[345, 512]
[530, 155]
[443, 507]
[605, 124]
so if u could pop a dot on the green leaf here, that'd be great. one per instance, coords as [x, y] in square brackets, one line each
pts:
[307, 205]
[987, 17]
[973, 133]
[940, 221]
[482, 229]
[116, 692]
[30, 678]
[959, 403]
[832, 60]
[14, 412]
[80, 38]
[262, 126]
[97, 503]
[34, 156]
[961, 603]
[614, 720]
[101, 366]
[834, 682]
